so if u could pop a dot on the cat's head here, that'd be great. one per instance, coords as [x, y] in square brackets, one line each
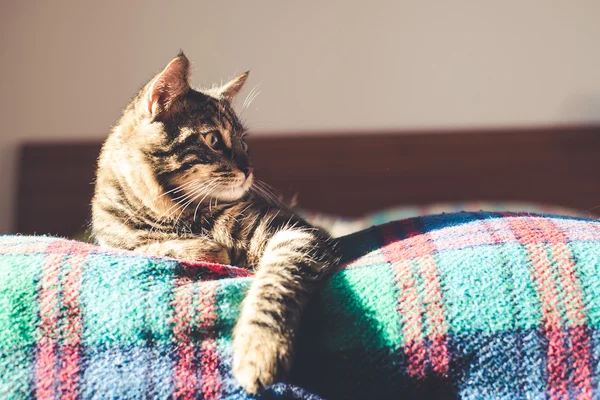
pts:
[192, 140]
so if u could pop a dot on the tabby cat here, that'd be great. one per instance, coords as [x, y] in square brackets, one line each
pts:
[174, 179]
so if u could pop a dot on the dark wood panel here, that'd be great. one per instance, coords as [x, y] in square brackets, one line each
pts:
[55, 187]
[354, 174]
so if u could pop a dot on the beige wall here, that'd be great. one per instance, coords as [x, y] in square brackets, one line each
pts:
[69, 66]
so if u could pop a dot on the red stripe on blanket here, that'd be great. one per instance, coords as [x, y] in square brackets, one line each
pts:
[434, 315]
[417, 249]
[185, 380]
[46, 362]
[214, 271]
[530, 232]
[45, 373]
[58, 358]
[556, 353]
[409, 308]
[582, 375]
[70, 361]
[574, 309]
[209, 357]
[437, 326]
[211, 381]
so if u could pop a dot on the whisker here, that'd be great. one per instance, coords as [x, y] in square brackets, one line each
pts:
[178, 188]
[266, 196]
[197, 193]
[183, 207]
[251, 96]
[179, 200]
[214, 184]
[178, 204]
[269, 192]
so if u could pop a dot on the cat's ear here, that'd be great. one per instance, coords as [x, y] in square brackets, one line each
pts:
[170, 84]
[233, 87]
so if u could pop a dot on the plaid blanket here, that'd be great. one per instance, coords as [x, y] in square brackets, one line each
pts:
[469, 305]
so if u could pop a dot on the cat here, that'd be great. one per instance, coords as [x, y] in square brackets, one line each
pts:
[174, 179]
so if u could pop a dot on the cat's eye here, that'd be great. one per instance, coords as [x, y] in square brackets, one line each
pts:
[244, 144]
[213, 139]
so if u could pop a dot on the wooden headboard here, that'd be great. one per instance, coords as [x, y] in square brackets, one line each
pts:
[353, 174]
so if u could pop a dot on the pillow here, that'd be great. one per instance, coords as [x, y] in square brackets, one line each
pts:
[469, 305]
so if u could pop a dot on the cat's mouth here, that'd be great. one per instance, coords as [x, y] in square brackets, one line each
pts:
[196, 188]
[233, 189]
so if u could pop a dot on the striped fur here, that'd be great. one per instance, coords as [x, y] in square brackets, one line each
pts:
[174, 179]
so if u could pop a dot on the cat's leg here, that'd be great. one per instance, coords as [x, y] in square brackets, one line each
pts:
[195, 249]
[292, 264]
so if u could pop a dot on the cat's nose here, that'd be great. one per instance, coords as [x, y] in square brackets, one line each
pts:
[247, 170]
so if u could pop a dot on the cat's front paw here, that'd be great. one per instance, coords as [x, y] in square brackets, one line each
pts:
[217, 255]
[260, 356]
